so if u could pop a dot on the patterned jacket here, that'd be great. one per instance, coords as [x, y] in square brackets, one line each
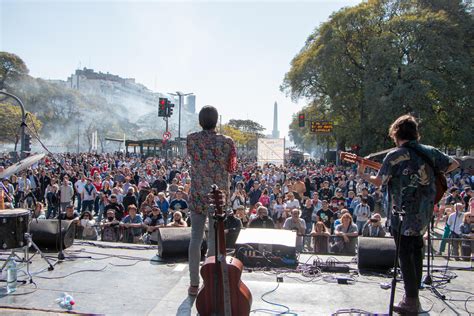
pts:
[213, 158]
[410, 184]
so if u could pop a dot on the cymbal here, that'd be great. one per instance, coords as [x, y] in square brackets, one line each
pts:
[21, 165]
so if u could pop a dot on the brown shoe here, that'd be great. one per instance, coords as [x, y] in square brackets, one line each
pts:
[407, 306]
[193, 290]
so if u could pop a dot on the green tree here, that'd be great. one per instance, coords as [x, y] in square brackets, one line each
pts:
[375, 61]
[12, 68]
[250, 130]
[10, 116]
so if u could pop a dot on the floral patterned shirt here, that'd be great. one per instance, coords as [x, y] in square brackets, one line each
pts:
[213, 158]
[410, 184]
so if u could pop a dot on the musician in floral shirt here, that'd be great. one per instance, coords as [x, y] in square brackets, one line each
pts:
[213, 159]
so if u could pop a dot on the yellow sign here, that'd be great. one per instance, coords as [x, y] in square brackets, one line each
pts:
[321, 126]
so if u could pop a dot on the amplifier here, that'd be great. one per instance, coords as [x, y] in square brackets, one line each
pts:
[262, 247]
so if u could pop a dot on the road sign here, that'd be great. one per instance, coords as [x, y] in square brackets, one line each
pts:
[321, 126]
[166, 135]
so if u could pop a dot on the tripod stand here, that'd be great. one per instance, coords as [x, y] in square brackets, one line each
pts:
[27, 258]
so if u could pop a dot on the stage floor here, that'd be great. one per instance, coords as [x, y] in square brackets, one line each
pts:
[107, 279]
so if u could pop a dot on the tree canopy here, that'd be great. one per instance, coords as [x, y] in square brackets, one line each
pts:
[11, 67]
[370, 63]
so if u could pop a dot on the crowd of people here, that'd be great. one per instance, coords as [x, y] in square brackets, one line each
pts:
[116, 197]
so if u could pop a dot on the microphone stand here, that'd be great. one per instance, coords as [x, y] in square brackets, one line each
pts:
[61, 256]
[400, 213]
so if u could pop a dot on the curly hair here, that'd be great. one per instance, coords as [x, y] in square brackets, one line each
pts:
[405, 128]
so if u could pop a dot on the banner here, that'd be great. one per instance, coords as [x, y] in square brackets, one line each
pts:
[271, 150]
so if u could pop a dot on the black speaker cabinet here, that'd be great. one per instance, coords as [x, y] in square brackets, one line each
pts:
[45, 233]
[375, 254]
[173, 242]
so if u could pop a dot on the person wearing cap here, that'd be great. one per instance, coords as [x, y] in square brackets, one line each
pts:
[337, 199]
[86, 225]
[132, 225]
[453, 196]
[151, 224]
[373, 227]
[370, 199]
[179, 204]
[110, 227]
[115, 206]
[362, 214]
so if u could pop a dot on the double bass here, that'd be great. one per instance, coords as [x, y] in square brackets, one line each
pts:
[223, 292]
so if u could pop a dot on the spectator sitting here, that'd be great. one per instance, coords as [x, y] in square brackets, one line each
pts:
[373, 227]
[321, 237]
[177, 220]
[152, 223]
[163, 205]
[232, 226]
[38, 212]
[86, 226]
[253, 211]
[345, 233]
[70, 214]
[115, 206]
[339, 215]
[262, 220]
[110, 227]
[241, 214]
[179, 204]
[132, 224]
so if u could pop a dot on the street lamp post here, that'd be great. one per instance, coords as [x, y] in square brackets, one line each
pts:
[180, 97]
[23, 122]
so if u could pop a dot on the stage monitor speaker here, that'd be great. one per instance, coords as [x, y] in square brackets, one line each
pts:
[174, 242]
[45, 233]
[265, 247]
[375, 254]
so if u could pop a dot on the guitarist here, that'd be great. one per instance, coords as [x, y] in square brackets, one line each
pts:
[410, 181]
[213, 159]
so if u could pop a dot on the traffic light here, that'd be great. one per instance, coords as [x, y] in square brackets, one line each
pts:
[170, 107]
[162, 106]
[27, 142]
[301, 120]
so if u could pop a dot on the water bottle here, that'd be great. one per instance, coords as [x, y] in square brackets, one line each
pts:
[66, 301]
[11, 275]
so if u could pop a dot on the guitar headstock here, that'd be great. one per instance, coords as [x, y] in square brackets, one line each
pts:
[216, 197]
[348, 157]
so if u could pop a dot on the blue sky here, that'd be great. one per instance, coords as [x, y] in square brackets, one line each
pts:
[232, 55]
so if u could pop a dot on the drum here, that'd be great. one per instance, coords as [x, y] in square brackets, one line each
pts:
[13, 226]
